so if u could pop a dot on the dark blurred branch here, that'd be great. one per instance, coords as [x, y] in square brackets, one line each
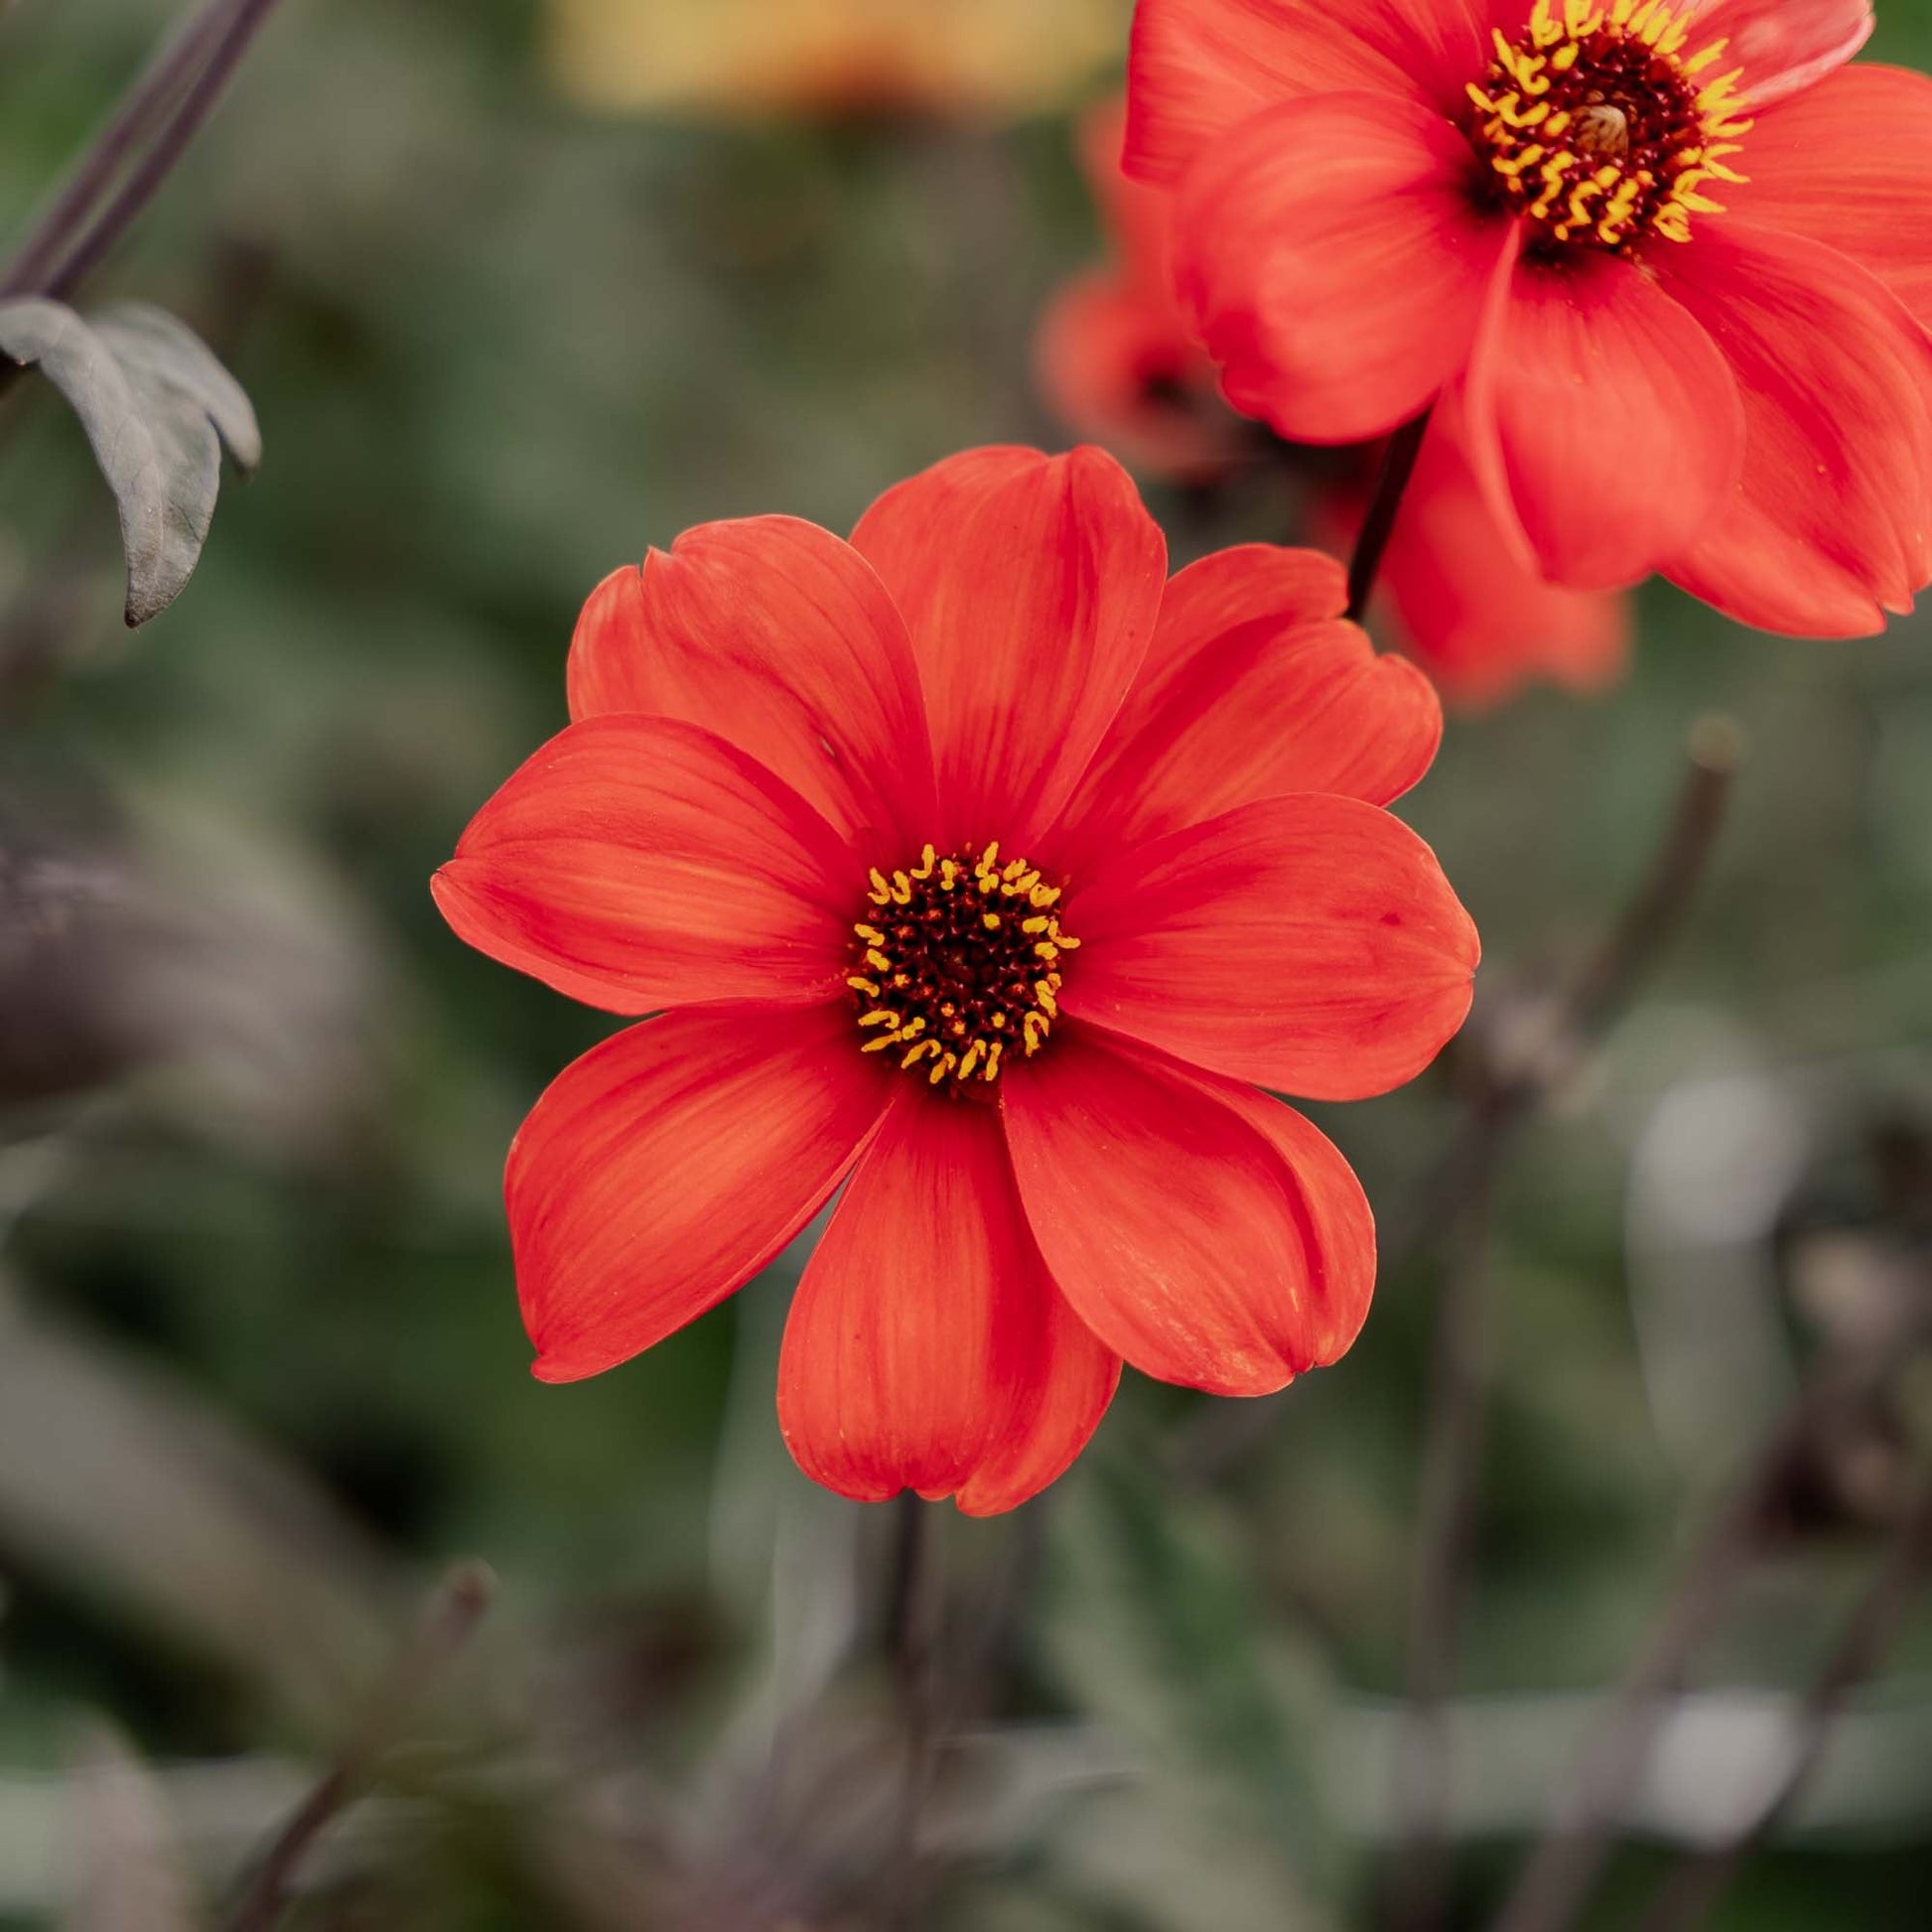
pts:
[134, 120]
[1513, 1075]
[1506, 1093]
[1557, 1878]
[137, 148]
[1651, 922]
[1451, 1455]
[446, 1625]
[1868, 1632]
[1397, 466]
[911, 1631]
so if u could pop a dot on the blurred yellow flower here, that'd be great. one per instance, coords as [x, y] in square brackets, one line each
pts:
[751, 57]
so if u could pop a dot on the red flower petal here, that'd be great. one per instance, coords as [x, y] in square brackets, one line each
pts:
[1848, 163]
[1031, 585]
[1782, 45]
[1197, 69]
[1602, 418]
[1335, 261]
[1053, 1418]
[1249, 694]
[779, 637]
[1136, 217]
[1310, 944]
[635, 863]
[903, 535]
[927, 1348]
[1481, 621]
[1113, 363]
[666, 1167]
[1828, 528]
[1209, 1234]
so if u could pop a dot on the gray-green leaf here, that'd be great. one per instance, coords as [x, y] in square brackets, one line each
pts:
[157, 409]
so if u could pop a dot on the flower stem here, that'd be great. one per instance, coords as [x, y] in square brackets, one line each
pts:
[1556, 1881]
[138, 145]
[446, 1625]
[1505, 1096]
[1688, 1897]
[1397, 466]
[1458, 1372]
[911, 1641]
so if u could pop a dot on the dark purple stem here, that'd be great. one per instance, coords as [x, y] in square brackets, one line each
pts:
[240, 22]
[132, 121]
[1397, 466]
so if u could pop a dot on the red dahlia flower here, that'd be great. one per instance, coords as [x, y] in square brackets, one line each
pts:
[1673, 259]
[976, 861]
[1117, 362]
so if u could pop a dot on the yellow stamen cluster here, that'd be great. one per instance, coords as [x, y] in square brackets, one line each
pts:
[958, 962]
[1599, 125]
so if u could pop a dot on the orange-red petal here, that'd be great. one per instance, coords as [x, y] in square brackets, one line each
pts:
[1310, 944]
[1848, 163]
[1334, 260]
[1781, 45]
[1603, 422]
[666, 1167]
[1209, 1234]
[1031, 585]
[1828, 528]
[1253, 688]
[927, 1348]
[1114, 364]
[1471, 610]
[1199, 68]
[635, 863]
[779, 637]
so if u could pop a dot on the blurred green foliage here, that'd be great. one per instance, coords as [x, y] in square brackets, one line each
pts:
[497, 347]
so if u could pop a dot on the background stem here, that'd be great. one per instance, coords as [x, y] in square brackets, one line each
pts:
[1397, 466]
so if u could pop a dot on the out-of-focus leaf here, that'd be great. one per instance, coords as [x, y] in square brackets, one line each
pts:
[1155, 1630]
[130, 1488]
[157, 408]
[128, 1871]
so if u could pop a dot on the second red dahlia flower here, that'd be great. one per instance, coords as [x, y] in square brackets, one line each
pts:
[1117, 362]
[1673, 260]
[976, 866]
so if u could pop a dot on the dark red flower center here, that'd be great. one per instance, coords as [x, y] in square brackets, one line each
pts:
[1599, 125]
[957, 963]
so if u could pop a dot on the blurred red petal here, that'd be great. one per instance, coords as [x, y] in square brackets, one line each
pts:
[779, 637]
[927, 1348]
[1031, 585]
[635, 863]
[1209, 1234]
[1829, 527]
[666, 1167]
[1115, 367]
[1782, 45]
[1136, 217]
[1333, 260]
[1310, 944]
[1199, 68]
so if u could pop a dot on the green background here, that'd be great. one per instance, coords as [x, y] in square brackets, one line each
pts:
[264, 1368]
